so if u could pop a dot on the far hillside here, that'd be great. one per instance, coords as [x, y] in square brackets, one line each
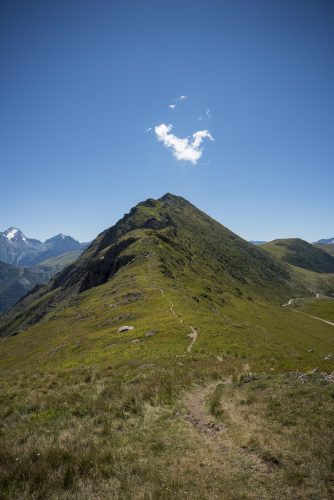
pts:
[300, 253]
[329, 248]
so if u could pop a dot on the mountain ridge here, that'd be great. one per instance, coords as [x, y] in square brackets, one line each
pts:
[300, 253]
[192, 250]
[17, 249]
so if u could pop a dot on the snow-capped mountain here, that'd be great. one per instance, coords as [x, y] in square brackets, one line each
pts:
[14, 234]
[17, 249]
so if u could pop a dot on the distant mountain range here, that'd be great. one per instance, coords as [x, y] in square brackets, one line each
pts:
[257, 242]
[27, 262]
[18, 250]
[329, 241]
[169, 244]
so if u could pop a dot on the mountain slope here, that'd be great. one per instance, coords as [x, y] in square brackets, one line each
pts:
[302, 254]
[54, 265]
[195, 253]
[327, 247]
[165, 343]
[17, 249]
[15, 282]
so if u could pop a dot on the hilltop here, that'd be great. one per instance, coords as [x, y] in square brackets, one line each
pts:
[166, 362]
[302, 254]
[196, 254]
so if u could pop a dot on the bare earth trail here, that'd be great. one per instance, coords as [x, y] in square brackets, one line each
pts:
[292, 301]
[226, 453]
[194, 333]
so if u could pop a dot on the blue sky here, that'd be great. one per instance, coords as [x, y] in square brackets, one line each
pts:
[82, 81]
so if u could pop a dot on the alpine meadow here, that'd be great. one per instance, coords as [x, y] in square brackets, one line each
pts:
[166, 250]
[168, 360]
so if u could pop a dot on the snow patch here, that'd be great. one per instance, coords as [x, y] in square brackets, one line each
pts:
[11, 233]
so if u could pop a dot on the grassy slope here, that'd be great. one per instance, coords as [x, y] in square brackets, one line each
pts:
[87, 411]
[302, 254]
[328, 248]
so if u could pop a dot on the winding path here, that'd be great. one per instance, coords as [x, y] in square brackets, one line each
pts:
[194, 333]
[291, 301]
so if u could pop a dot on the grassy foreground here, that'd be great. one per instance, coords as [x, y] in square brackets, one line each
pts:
[169, 408]
[87, 412]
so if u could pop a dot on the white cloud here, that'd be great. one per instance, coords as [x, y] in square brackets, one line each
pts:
[183, 149]
[207, 115]
[177, 100]
[148, 129]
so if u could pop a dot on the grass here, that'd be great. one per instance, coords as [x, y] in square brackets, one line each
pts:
[285, 424]
[91, 412]
[300, 253]
[320, 308]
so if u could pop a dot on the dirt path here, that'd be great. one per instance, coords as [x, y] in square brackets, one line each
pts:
[194, 333]
[197, 413]
[292, 301]
[320, 319]
[218, 434]
[193, 336]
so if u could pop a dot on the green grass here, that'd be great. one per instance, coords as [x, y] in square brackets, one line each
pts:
[89, 412]
[321, 308]
[285, 424]
[302, 254]
[329, 248]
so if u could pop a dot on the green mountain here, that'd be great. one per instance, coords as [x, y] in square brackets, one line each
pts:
[329, 248]
[166, 362]
[302, 254]
[195, 254]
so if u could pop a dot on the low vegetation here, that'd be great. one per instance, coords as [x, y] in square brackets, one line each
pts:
[302, 254]
[93, 410]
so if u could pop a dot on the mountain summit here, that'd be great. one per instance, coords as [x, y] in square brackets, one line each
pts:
[14, 234]
[165, 240]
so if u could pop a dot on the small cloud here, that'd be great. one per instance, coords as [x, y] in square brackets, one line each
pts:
[177, 100]
[206, 116]
[148, 129]
[183, 149]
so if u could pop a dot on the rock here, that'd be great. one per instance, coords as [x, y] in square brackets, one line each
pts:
[310, 350]
[328, 357]
[150, 333]
[312, 372]
[125, 328]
